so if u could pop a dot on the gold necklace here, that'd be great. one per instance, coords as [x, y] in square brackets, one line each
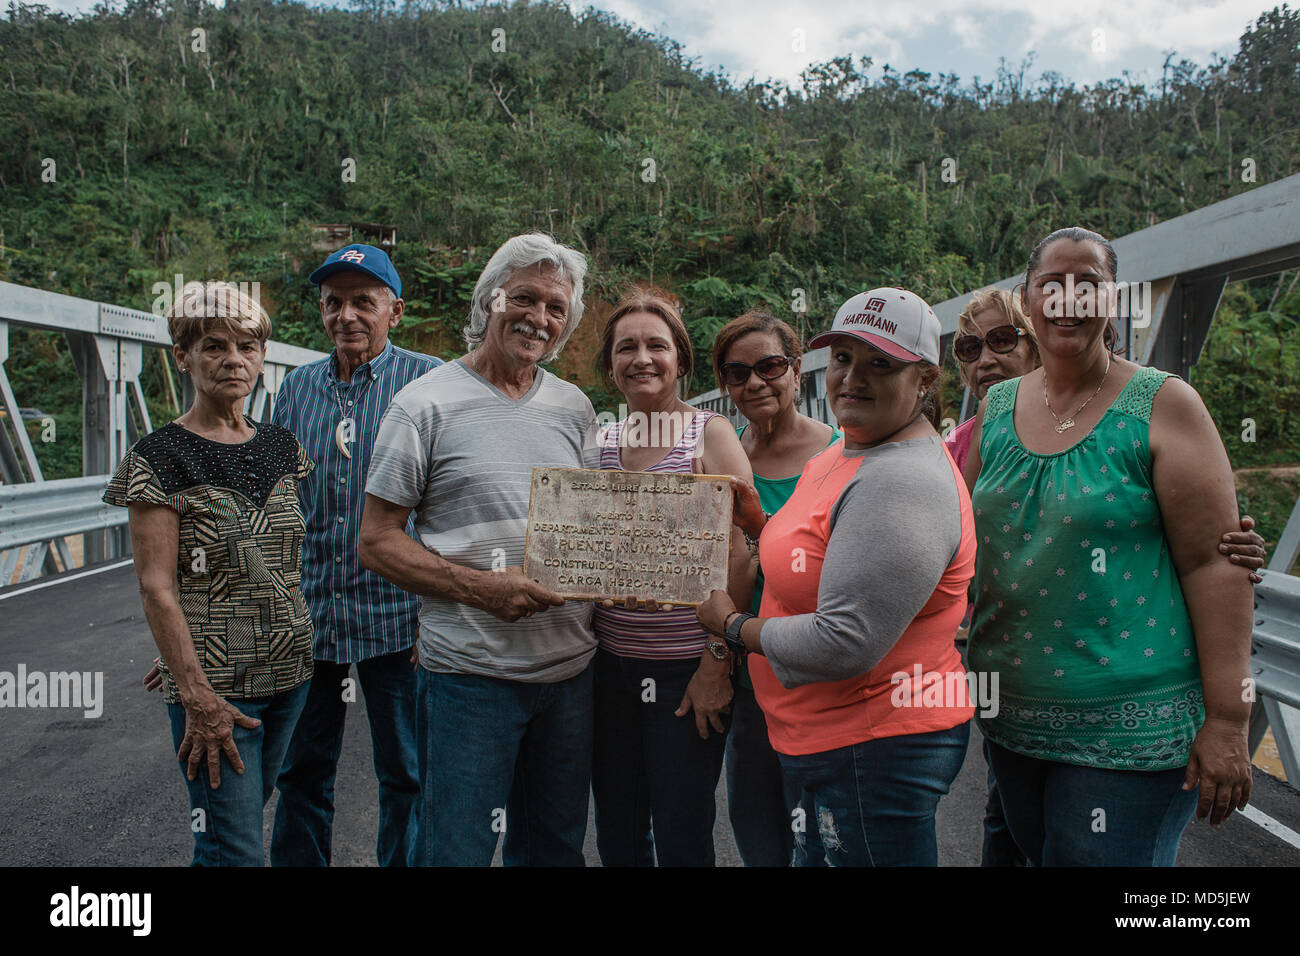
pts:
[1061, 426]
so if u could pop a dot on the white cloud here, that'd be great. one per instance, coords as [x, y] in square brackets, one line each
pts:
[753, 37]
[756, 37]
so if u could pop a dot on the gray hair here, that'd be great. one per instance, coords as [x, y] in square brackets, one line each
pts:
[524, 252]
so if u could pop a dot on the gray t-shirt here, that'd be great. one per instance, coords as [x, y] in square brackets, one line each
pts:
[461, 453]
[895, 528]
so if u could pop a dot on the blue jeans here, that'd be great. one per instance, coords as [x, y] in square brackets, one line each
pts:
[761, 812]
[999, 848]
[503, 756]
[650, 768]
[873, 803]
[1064, 815]
[304, 817]
[228, 832]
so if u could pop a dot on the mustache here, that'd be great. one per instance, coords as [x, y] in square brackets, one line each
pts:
[527, 329]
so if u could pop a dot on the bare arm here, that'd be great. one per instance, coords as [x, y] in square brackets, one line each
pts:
[722, 454]
[1196, 494]
[973, 462]
[209, 718]
[709, 692]
[385, 548]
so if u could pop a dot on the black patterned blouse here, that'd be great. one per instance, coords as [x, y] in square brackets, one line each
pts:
[238, 565]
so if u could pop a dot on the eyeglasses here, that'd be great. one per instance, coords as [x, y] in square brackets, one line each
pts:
[737, 373]
[1002, 340]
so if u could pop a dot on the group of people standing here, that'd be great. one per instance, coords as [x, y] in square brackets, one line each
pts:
[379, 521]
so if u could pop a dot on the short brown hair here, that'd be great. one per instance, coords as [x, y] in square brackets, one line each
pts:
[208, 305]
[647, 298]
[755, 320]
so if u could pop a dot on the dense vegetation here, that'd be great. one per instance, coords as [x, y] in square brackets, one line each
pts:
[213, 154]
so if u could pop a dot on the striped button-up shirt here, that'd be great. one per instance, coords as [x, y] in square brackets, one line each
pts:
[356, 613]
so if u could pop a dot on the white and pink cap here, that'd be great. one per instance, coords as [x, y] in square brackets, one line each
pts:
[896, 321]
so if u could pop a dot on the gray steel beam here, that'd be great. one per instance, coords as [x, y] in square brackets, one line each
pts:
[1288, 546]
[1182, 330]
[16, 454]
[1253, 233]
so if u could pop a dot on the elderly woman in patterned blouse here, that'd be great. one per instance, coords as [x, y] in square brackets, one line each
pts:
[217, 535]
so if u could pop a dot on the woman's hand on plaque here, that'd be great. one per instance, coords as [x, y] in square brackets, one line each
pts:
[713, 613]
[632, 603]
[746, 510]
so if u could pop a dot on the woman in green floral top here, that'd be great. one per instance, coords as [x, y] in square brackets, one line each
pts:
[1118, 632]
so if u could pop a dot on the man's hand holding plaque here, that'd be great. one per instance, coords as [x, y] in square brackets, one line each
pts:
[510, 594]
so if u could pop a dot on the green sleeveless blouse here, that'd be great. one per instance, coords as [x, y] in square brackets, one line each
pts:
[1078, 611]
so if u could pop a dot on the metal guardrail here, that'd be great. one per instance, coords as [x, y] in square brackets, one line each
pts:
[107, 343]
[1275, 642]
[1275, 667]
[43, 510]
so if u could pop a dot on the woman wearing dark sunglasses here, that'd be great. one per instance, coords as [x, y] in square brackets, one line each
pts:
[994, 342]
[756, 358]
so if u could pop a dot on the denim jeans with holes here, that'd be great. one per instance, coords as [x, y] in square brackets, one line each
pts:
[874, 803]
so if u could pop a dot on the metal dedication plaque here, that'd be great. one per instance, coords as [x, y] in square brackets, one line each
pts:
[614, 534]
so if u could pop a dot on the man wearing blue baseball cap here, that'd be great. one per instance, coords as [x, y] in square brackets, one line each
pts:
[334, 407]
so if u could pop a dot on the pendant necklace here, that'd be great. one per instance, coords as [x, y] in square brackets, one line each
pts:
[345, 431]
[1061, 426]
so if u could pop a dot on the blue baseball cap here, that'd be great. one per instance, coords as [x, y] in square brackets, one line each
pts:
[360, 258]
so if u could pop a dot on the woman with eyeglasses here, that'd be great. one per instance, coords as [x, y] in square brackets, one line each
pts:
[757, 359]
[1102, 601]
[994, 342]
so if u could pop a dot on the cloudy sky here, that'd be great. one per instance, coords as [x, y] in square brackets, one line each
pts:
[1084, 42]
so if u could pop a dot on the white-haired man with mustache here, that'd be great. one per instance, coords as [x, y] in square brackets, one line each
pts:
[504, 715]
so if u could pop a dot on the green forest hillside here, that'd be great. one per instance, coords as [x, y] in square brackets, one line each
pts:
[184, 138]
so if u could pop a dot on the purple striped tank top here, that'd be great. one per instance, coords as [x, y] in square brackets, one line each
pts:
[662, 635]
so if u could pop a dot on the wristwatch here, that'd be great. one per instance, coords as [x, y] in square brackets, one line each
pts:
[718, 649]
[732, 635]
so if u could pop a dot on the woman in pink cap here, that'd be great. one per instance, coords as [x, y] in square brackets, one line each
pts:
[866, 569]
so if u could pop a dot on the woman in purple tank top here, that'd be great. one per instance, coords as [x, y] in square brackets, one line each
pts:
[662, 684]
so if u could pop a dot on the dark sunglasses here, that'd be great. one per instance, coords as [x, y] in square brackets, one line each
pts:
[737, 373]
[1002, 340]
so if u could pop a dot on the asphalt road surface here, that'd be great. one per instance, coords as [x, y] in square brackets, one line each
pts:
[108, 791]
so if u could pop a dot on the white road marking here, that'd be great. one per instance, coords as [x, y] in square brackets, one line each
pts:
[70, 577]
[1279, 830]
